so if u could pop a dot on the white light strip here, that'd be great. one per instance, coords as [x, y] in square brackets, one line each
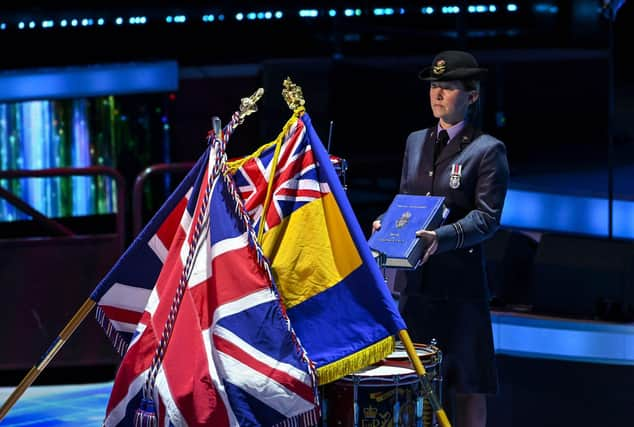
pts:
[383, 11]
[308, 13]
[450, 10]
[265, 15]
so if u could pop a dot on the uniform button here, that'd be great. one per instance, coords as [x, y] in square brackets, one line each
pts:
[470, 251]
[431, 173]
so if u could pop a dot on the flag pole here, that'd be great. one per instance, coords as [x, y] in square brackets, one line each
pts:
[428, 392]
[57, 344]
[248, 106]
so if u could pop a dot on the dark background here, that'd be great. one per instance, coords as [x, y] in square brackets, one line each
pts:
[559, 93]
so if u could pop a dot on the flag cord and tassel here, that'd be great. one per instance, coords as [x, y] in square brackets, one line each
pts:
[146, 414]
[428, 392]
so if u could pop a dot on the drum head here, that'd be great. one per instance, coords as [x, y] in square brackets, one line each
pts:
[424, 352]
[429, 355]
[383, 371]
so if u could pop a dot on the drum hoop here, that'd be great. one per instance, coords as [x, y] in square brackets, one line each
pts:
[430, 360]
[383, 381]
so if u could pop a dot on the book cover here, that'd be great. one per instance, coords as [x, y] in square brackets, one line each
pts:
[395, 244]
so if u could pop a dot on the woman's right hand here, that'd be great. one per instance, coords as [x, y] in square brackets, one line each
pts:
[376, 224]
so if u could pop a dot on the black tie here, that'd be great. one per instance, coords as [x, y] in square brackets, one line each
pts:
[441, 142]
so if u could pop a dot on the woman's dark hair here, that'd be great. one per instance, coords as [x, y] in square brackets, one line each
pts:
[471, 84]
[473, 113]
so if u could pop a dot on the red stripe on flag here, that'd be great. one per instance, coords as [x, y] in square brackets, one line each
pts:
[187, 371]
[204, 184]
[313, 194]
[252, 170]
[289, 146]
[236, 274]
[289, 171]
[121, 314]
[168, 228]
[281, 377]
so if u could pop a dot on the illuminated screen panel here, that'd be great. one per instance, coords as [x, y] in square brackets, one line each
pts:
[543, 211]
[103, 115]
[94, 80]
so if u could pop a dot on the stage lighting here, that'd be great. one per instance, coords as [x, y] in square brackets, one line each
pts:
[609, 8]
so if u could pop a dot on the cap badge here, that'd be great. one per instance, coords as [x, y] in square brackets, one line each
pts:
[440, 67]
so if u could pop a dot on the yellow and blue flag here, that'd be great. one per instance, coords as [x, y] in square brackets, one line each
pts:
[332, 288]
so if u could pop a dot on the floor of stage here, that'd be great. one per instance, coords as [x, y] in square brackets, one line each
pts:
[80, 405]
[553, 371]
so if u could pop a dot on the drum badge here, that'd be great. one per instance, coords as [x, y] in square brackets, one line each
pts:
[456, 175]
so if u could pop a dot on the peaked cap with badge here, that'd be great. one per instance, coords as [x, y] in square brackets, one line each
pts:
[453, 65]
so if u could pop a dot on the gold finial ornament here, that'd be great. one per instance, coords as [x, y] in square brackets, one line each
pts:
[249, 105]
[292, 94]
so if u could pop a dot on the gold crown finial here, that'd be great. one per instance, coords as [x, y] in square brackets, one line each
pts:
[248, 105]
[292, 94]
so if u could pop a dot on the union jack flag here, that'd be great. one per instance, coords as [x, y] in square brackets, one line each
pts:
[296, 181]
[232, 358]
[123, 294]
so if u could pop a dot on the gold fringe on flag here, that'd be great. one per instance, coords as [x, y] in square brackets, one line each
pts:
[366, 357]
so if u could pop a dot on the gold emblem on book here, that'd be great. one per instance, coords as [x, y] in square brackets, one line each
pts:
[403, 220]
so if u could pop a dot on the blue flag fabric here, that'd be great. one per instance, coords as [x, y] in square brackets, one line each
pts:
[331, 286]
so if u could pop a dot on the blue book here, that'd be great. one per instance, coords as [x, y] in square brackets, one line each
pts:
[395, 244]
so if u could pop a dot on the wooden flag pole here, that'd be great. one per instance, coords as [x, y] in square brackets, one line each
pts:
[428, 392]
[247, 107]
[57, 344]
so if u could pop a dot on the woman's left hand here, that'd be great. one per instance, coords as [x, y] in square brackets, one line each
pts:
[431, 243]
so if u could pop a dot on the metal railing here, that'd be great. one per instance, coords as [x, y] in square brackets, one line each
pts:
[139, 182]
[50, 224]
